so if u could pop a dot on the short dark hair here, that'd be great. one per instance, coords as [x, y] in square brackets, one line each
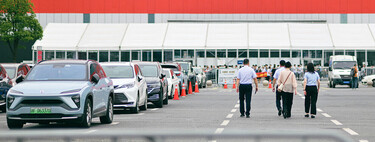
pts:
[246, 61]
[287, 64]
[310, 68]
[282, 63]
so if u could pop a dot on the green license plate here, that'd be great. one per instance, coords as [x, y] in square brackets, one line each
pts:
[40, 110]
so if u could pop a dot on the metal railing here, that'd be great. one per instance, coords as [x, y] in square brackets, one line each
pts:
[116, 135]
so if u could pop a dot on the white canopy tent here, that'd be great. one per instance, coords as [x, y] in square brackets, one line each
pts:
[310, 36]
[224, 36]
[144, 36]
[269, 36]
[351, 36]
[186, 36]
[99, 36]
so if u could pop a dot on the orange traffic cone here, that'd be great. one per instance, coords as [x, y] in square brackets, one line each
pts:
[225, 85]
[269, 84]
[234, 84]
[176, 94]
[183, 90]
[190, 89]
[196, 87]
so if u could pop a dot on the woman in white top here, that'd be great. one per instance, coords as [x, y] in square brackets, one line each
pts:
[311, 85]
[287, 85]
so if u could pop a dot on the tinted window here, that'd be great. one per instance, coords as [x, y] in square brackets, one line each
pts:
[119, 71]
[185, 66]
[11, 71]
[172, 67]
[58, 72]
[149, 70]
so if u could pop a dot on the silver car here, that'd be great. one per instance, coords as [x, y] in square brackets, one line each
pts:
[66, 90]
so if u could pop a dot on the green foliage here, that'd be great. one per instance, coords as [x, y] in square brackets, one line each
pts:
[18, 23]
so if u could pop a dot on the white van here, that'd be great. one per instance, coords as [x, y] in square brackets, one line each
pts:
[339, 70]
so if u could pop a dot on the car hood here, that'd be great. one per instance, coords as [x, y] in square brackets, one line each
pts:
[152, 80]
[369, 77]
[49, 87]
[122, 81]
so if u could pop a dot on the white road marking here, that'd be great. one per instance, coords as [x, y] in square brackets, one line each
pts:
[326, 115]
[319, 110]
[154, 109]
[303, 97]
[363, 140]
[212, 141]
[336, 122]
[219, 130]
[238, 102]
[233, 110]
[225, 123]
[236, 106]
[350, 131]
[140, 114]
[229, 115]
[114, 123]
[91, 131]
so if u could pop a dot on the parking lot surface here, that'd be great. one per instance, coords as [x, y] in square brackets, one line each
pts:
[216, 110]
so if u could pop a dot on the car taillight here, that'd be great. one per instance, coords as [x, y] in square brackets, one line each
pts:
[178, 74]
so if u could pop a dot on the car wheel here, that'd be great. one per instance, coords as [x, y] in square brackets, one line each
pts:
[3, 108]
[87, 115]
[373, 83]
[136, 108]
[108, 118]
[144, 107]
[159, 103]
[165, 101]
[172, 93]
[14, 124]
[333, 85]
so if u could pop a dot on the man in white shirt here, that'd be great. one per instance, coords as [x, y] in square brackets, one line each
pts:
[246, 76]
[278, 94]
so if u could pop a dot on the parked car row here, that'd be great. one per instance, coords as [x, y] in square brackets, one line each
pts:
[78, 90]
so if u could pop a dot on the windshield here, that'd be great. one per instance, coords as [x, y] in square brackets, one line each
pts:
[149, 71]
[173, 68]
[11, 71]
[198, 70]
[167, 74]
[118, 71]
[343, 64]
[59, 71]
[185, 66]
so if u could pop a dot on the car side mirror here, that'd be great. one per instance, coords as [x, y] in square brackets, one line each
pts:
[162, 76]
[172, 77]
[19, 79]
[330, 68]
[95, 78]
[139, 78]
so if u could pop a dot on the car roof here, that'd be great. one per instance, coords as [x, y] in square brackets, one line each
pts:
[66, 61]
[118, 63]
[147, 63]
[10, 64]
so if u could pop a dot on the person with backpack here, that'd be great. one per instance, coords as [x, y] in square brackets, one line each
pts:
[311, 86]
[354, 75]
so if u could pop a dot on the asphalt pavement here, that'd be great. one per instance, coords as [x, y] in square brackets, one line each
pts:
[215, 110]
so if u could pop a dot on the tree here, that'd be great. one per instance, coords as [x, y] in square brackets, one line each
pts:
[18, 23]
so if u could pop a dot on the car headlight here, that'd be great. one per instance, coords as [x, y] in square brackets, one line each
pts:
[126, 86]
[76, 99]
[71, 91]
[15, 91]
[10, 100]
[336, 76]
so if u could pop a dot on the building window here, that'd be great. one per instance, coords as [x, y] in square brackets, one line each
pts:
[296, 54]
[168, 55]
[93, 55]
[156, 57]
[200, 53]
[371, 57]
[264, 53]
[49, 55]
[221, 53]
[70, 55]
[327, 55]
[146, 55]
[136, 55]
[242, 53]
[275, 53]
[60, 55]
[82, 55]
[232, 53]
[114, 56]
[339, 52]
[349, 52]
[361, 57]
[253, 53]
[285, 53]
[125, 56]
[210, 53]
[103, 56]
[86, 18]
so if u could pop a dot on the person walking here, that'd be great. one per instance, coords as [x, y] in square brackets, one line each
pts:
[354, 75]
[311, 86]
[287, 86]
[278, 94]
[246, 76]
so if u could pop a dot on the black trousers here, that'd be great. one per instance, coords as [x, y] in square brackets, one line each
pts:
[311, 98]
[287, 103]
[278, 100]
[245, 92]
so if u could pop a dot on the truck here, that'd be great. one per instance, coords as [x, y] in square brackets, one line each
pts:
[339, 70]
